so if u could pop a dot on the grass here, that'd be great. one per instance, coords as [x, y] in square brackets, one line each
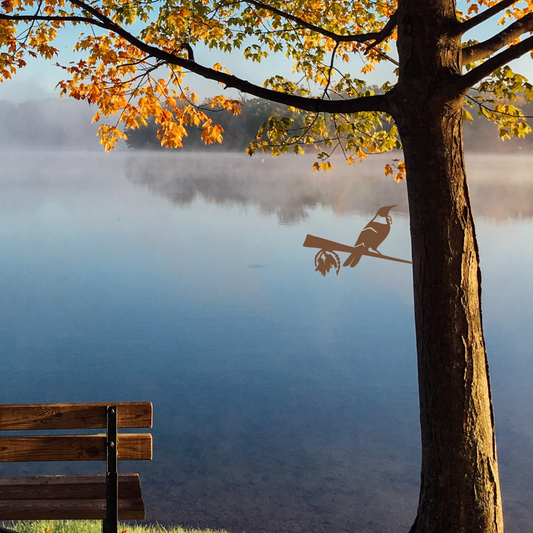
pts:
[90, 526]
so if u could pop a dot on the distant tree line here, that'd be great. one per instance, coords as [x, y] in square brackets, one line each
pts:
[239, 130]
[482, 136]
[66, 125]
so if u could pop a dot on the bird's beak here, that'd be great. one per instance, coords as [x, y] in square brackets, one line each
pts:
[384, 211]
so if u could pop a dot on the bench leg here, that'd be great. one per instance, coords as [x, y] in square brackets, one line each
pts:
[110, 524]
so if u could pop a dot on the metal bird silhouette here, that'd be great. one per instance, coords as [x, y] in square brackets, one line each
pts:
[374, 233]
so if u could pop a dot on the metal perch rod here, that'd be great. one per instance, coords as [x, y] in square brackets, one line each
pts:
[318, 242]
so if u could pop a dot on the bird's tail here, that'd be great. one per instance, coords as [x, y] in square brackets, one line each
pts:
[354, 258]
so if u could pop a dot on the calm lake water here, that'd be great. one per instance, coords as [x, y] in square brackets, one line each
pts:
[283, 400]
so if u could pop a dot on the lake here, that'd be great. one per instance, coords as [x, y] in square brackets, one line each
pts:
[284, 401]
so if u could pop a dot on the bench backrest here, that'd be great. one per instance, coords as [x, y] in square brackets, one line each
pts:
[54, 447]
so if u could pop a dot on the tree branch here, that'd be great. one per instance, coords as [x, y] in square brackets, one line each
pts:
[469, 79]
[378, 103]
[486, 15]
[379, 36]
[386, 31]
[492, 45]
[45, 18]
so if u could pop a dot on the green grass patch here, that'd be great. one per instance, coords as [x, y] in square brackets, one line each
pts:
[91, 526]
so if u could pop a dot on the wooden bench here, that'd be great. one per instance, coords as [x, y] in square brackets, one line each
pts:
[108, 496]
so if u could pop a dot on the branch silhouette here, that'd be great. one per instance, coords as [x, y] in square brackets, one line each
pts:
[378, 36]
[486, 15]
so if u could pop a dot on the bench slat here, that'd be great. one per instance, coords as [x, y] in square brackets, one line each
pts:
[37, 417]
[68, 510]
[67, 497]
[62, 487]
[73, 448]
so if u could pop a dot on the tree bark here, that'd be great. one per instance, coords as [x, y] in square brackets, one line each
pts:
[459, 480]
[459, 485]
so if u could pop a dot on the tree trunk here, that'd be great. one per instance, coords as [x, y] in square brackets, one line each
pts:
[459, 486]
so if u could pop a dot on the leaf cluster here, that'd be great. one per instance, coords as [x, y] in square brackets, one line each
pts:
[497, 99]
[325, 260]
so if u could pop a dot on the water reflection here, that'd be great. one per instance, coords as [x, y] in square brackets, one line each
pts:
[279, 404]
[284, 186]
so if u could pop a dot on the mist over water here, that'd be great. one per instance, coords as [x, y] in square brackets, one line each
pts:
[501, 187]
[283, 400]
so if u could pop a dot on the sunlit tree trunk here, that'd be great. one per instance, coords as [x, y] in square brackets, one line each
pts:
[459, 486]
